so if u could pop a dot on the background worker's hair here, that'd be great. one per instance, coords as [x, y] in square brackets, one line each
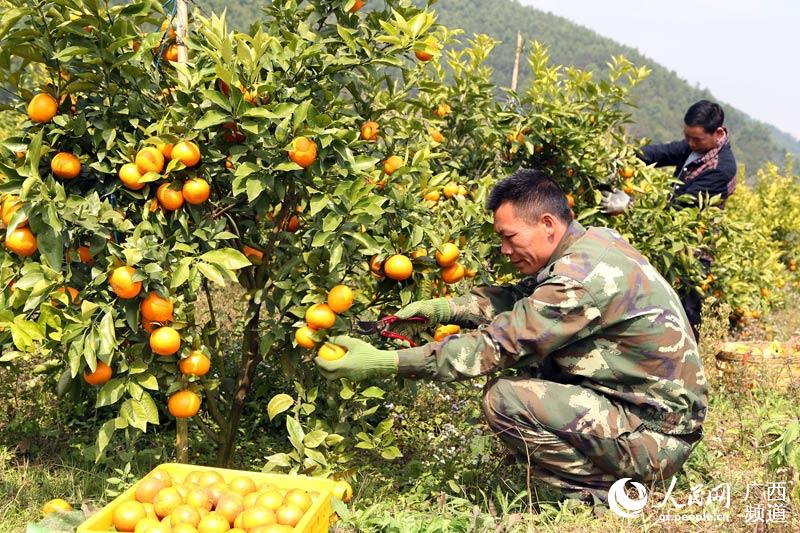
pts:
[706, 114]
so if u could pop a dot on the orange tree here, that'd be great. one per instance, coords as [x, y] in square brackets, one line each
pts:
[249, 164]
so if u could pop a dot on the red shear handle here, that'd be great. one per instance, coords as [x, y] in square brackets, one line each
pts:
[398, 336]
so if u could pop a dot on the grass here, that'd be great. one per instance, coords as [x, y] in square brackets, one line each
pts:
[453, 475]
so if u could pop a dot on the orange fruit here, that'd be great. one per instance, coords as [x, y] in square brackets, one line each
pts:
[164, 25]
[320, 316]
[187, 153]
[626, 172]
[343, 490]
[304, 337]
[255, 256]
[303, 151]
[453, 273]
[184, 514]
[156, 309]
[340, 298]
[570, 200]
[448, 254]
[199, 498]
[121, 282]
[163, 475]
[229, 505]
[462, 190]
[65, 165]
[432, 196]
[149, 159]
[442, 110]
[196, 191]
[446, 330]
[197, 364]
[102, 373]
[289, 514]
[149, 326]
[165, 149]
[398, 267]
[376, 266]
[73, 294]
[10, 206]
[242, 484]
[56, 505]
[210, 477]
[369, 131]
[450, 190]
[213, 522]
[42, 108]
[127, 514]
[169, 197]
[165, 341]
[182, 528]
[129, 175]
[437, 136]
[170, 53]
[331, 352]
[392, 163]
[416, 254]
[22, 242]
[146, 524]
[357, 5]
[86, 255]
[271, 499]
[257, 516]
[299, 498]
[422, 55]
[183, 404]
[166, 501]
[147, 489]
[293, 224]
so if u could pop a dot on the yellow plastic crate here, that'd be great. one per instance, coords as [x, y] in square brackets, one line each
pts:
[315, 520]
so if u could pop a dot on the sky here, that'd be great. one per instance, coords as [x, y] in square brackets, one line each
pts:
[746, 52]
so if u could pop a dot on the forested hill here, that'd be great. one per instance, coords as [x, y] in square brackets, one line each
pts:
[660, 101]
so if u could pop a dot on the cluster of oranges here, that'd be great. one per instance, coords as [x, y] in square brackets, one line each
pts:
[157, 312]
[204, 502]
[322, 316]
[397, 267]
[21, 241]
[447, 258]
[170, 52]
[450, 190]
[170, 196]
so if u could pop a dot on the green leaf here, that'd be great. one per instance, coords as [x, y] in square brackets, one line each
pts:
[226, 258]
[279, 459]
[210, 272]
[104, 435]
[110, 393]
[392, 452]
[315, 438]
[373, 392]
[278, 404]
[181, 273]
[108, 338]
[316, 456]
[147, 380]
[296, 434]
[211, 118]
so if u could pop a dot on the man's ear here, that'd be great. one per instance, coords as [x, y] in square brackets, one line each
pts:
[549, 223]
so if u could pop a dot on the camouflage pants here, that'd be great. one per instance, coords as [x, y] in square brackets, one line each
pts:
[576, 439]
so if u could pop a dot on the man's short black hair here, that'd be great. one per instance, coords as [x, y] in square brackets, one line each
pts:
[706, 114]
[532, 193]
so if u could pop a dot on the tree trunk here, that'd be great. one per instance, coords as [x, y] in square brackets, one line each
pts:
[251, 356]
[517, 54]
[182, 440]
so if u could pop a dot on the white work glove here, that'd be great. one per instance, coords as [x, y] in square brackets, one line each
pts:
[615, 202]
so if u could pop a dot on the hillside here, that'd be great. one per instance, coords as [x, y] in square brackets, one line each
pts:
[660, 101]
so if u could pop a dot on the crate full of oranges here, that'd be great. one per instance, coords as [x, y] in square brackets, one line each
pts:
[180, 498]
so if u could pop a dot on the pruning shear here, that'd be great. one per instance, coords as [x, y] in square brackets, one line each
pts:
[381, 327]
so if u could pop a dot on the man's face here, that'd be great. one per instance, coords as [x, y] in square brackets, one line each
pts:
[528, 246]
[699, 139]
